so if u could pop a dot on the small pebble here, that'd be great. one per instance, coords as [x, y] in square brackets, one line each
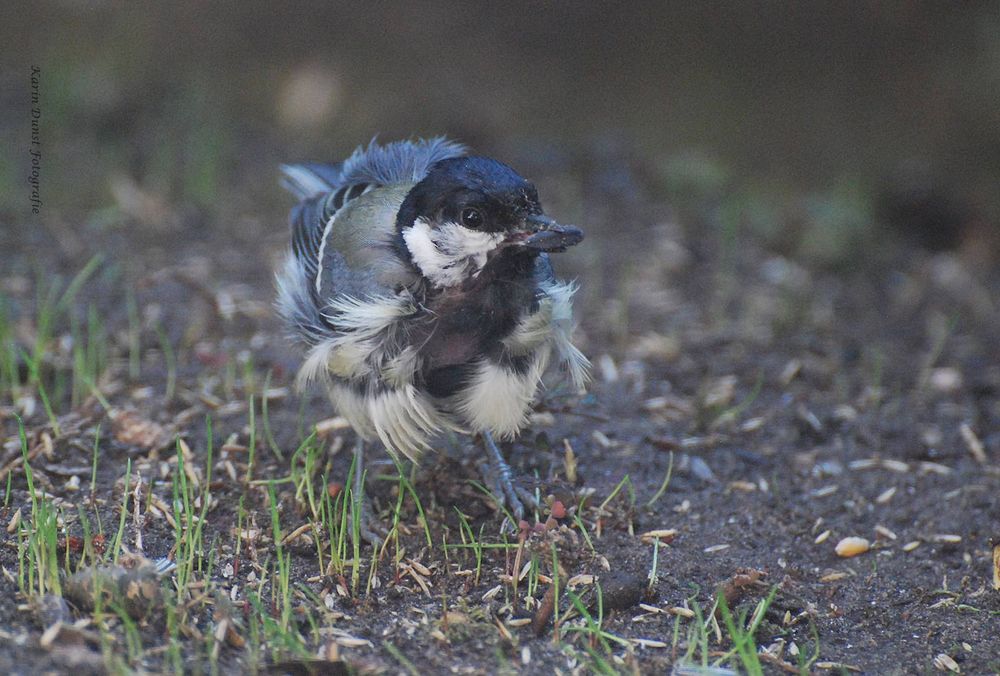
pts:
[622, 590]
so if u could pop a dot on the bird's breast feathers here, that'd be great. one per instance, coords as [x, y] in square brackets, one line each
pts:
[373, 365]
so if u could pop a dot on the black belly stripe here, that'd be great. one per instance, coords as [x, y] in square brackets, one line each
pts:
[518, 364]
[448, 381]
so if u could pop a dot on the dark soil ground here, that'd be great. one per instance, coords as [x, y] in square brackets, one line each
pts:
[795, 403]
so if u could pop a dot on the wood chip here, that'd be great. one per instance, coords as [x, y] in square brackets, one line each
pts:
[419, 579]
[895, 465]
[884, 532]
[825, 491]
[504, 632]
[420, 568]
[492, 593]
[325, 427]
[720, 392]
[297, 533]
[996, 567]
[190, 470]
[946, 538]
[569, 462]
[973, 443]
[885, 496]
[944, 662]
[791, 370]
[927, 467]
[852, 546]
[665, 535]
[837, 665]
[352, 642]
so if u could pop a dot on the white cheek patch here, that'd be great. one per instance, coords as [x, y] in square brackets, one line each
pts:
[448, 254]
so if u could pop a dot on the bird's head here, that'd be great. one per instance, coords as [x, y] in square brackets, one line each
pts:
[469, 210]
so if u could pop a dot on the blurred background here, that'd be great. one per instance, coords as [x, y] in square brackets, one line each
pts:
[822, 130]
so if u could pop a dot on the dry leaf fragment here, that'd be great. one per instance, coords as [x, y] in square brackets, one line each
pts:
[720, 392]
[833, 577]
[569, 462]
[544, 612]
[736, 587]
[131, 428]
[15, 521]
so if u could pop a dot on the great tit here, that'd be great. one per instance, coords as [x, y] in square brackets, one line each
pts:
[419, 282]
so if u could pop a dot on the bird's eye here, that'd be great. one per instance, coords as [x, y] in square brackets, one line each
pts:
[472, 218]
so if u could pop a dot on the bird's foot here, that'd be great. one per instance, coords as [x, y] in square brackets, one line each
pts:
[363, 524]
[368, 528]
[499, 478]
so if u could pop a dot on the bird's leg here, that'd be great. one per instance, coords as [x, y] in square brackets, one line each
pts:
[360, 510]
[498, 476]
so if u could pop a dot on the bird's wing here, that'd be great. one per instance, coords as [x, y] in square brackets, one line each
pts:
[340, 247]
[339, 239]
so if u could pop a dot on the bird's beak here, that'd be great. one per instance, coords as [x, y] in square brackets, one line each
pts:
[542, 233]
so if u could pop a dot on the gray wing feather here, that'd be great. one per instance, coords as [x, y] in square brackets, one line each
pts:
[308, 180]
[343, 258]
[398, 162]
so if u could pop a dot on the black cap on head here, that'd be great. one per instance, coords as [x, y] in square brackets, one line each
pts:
[477, 192]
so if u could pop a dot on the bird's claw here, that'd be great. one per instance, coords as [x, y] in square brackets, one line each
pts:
[369, 528]
[506, 491]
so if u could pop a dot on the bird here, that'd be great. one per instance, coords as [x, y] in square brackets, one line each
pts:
[420, 285]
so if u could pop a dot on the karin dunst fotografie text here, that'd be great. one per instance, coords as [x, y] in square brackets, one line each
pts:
[35, 149]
